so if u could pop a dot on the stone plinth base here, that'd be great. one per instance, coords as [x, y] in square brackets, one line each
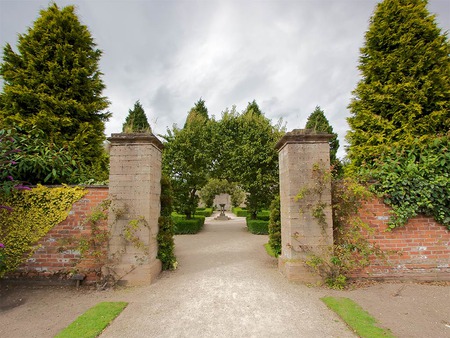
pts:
[297, 271]
[130, 275]
[222, 218]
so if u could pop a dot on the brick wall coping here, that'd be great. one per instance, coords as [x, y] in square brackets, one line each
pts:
[135, 138]
[303, 136]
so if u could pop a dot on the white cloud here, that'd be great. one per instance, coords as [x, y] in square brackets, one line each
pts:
[289, 56]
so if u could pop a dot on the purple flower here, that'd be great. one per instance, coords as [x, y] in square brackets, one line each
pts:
[13, 162]
[22, 187]
[6, 208]
[10, 178]
[2, 245]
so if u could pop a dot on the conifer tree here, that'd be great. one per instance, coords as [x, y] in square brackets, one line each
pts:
[53, 83]
[404, 93]
[197, 113]
[136, 121]
[318, 122]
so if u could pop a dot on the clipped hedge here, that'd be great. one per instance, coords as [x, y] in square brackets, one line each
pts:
[258, 227]
[263, 215]
[183, 226]
[207, 212]
[187, 226]
[239, 212]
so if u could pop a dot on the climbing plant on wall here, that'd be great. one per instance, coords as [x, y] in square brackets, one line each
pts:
[33, 213]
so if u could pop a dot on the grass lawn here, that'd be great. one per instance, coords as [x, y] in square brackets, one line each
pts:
[93, 321]
[356, 318]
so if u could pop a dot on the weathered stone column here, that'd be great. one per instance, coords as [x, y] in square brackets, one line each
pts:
[134, 189]
[302, 234]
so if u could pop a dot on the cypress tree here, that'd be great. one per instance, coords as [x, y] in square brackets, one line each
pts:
[318, 122]
[197, 113]
[136, 121]
[405, 87]
[53, 83]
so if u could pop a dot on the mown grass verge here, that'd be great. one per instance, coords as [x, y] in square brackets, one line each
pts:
[269, 250]
[360, 321]
[93, 321]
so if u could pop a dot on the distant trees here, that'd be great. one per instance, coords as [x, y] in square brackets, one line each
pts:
[136, 121]
[186, 159]
[404, 92]
[53, 84]
[239, 149]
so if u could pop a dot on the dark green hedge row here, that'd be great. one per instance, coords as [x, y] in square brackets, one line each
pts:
[263, 215]
[239, 212]
[258, 227]
[207, 212]
[184, 226]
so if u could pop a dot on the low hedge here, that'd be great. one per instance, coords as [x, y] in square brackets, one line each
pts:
[258, 227]
[239, 212]
[187, 226]
[207, 212]
[263, 215]
[183, 226]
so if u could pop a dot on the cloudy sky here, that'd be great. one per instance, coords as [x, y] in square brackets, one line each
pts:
[288, 55]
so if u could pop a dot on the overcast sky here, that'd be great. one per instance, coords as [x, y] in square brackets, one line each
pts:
[289, 56]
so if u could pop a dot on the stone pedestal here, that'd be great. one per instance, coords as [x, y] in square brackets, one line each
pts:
[302, 235]
[134, 189]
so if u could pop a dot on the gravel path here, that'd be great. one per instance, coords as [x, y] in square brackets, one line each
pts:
[225, 286]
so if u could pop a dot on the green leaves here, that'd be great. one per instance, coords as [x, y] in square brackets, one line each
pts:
[414, 179]
[136, 121]
[405, 88]
[53, 83]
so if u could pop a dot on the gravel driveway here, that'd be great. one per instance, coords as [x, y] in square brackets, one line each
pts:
[225, 286]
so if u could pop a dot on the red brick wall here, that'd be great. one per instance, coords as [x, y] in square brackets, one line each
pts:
[56, 257]
[418, 251]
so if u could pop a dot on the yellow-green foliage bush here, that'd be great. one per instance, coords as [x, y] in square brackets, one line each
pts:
[34, 213]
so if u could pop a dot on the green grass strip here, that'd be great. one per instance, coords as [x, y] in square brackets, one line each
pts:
[93, 321]
[356, 318]
[269, 250]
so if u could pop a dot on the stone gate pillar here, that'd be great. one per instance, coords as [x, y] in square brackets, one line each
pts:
[134, 191]
[302, 234]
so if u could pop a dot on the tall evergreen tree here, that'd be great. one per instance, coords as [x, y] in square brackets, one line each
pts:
[54, 83]
[318, 122]
[404, 93]
[197, 113]
[253, 107]
[136, 121]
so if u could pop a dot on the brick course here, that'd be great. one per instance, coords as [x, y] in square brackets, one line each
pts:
[420, 250]
[55, 258]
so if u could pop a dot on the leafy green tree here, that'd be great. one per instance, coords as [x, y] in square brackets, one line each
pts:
[404, 92]
[244, 153]
[318, 122]
[185, 161]
[136, 121]
[53, 83]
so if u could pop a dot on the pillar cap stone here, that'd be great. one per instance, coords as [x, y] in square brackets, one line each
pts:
[297, 136]
[133, 138]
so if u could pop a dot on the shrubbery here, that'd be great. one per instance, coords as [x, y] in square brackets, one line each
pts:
[414, 179]
[207, 212]
[258, 227]
[239, 212]
[275, 226]
[183, 226]
[166, 245]
[34, 213]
